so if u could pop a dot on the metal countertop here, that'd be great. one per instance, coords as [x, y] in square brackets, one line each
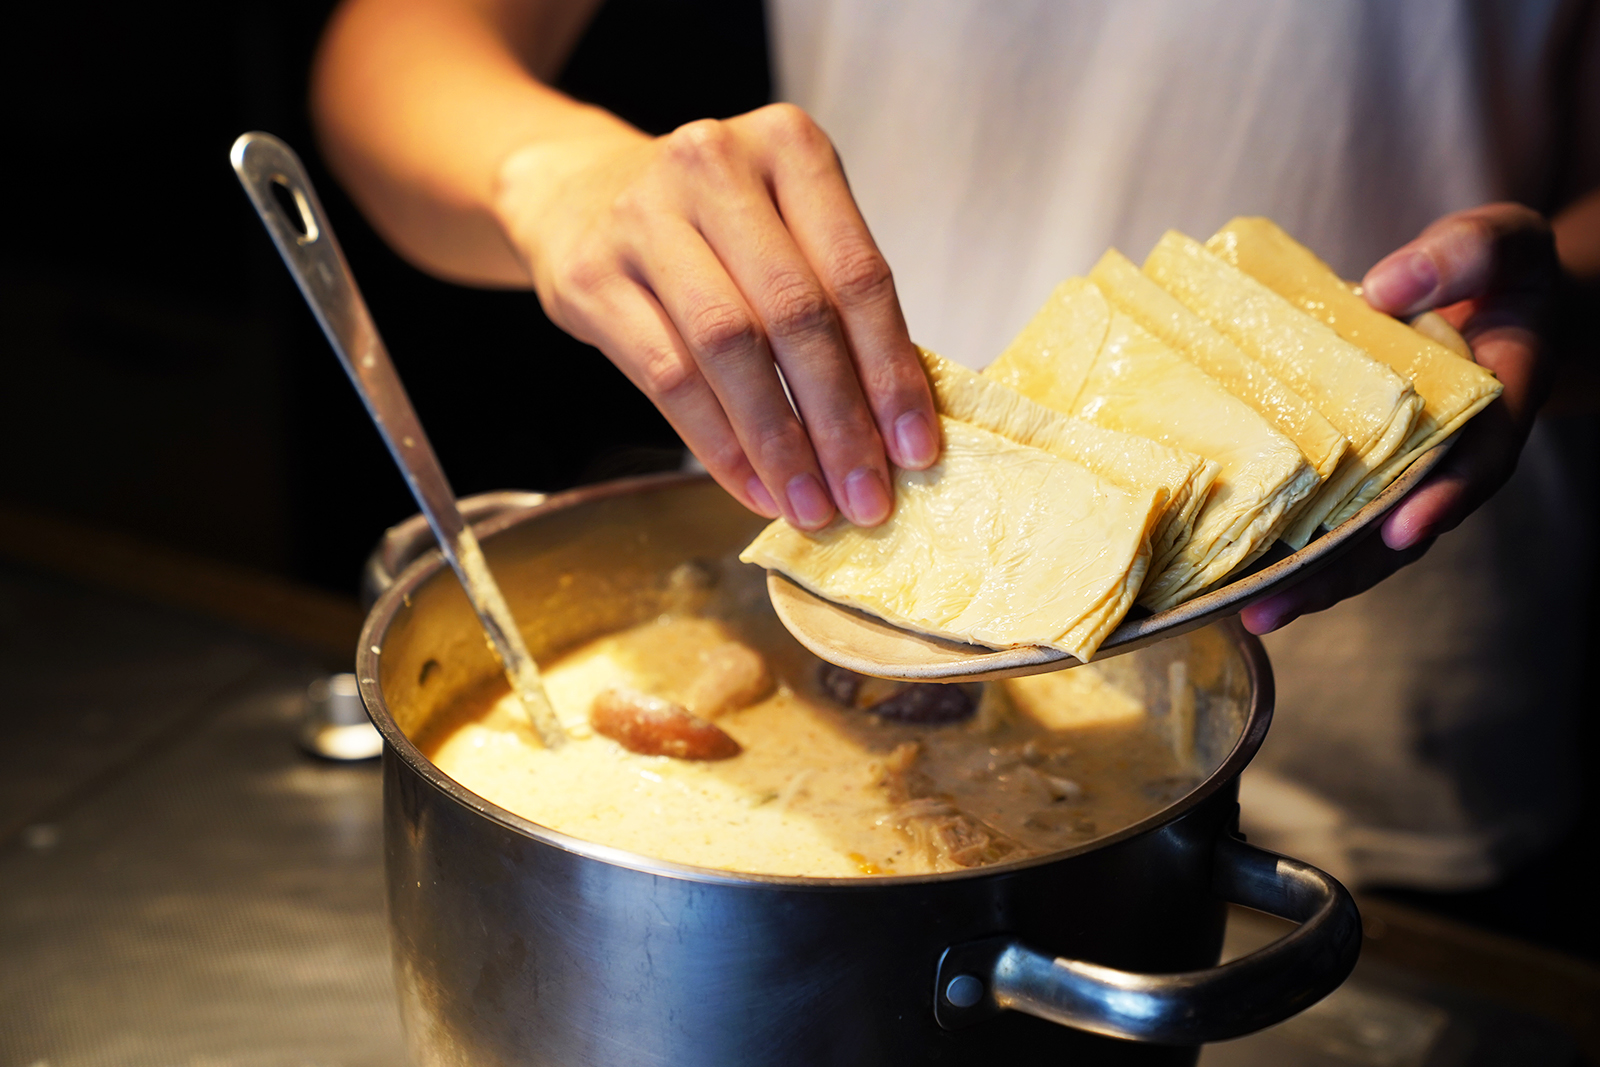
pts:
[183, 885]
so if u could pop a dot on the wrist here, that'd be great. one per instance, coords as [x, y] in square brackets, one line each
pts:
[535, 186]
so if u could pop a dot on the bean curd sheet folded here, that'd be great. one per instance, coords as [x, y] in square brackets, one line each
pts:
[1150, 433]
[1186, 333]
[1123, 378]
[998, 543]
[1181, 480]
[1452, 388]
[1371, 405]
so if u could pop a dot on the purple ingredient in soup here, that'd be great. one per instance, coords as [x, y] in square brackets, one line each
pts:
[927, 703]
[840, 685]
[918, 703]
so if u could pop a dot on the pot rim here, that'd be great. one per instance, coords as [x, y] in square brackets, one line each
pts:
[398, 745]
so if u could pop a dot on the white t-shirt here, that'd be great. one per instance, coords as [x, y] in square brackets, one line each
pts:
[999, 146]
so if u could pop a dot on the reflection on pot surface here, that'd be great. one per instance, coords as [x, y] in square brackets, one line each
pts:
[831, 774]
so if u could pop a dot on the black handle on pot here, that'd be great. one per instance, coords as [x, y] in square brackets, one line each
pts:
[403, 542]
[980, 978]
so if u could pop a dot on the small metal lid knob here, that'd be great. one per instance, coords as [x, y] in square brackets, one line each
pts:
[335, 725]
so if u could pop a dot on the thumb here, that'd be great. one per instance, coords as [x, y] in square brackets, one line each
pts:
[1497, 248]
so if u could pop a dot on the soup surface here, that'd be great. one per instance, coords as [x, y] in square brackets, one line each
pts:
[823, 784]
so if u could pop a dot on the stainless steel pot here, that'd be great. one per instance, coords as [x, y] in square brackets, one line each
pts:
[515, 944]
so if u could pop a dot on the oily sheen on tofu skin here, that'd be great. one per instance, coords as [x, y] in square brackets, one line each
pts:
[1364, 399]
[1158, 311]
[996, 544]
[1140, 385]
[1452, 388]
[1124, 378]
[1181, 480]
[1240, 389]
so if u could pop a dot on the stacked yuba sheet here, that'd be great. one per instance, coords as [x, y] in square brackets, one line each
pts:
[1149, 433]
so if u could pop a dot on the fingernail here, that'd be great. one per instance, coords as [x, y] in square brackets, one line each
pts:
[865, 497]
[914, 440]
[761, 498]
[809, 502]
[1400, 531]
[1401, 282]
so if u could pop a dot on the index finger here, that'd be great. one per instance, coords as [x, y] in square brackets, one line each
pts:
[814, 200]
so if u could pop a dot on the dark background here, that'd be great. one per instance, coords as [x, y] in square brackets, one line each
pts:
[163, 377]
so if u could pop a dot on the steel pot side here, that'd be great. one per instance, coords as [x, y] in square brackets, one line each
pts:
[518, 944]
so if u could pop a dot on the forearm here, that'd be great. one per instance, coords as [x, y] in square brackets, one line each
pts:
[418, 103]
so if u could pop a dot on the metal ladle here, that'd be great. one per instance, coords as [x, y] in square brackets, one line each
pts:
[276, 182]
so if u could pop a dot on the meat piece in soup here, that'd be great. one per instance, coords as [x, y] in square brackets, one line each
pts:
[651, 726]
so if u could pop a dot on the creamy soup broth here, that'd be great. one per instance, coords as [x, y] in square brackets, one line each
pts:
[820, 788]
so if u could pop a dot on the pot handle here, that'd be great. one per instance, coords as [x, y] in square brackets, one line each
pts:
[402, 544]
[981, 978]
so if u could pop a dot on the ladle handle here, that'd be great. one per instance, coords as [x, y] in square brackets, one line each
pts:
[404, 543]
[275, 181]
[978, 979]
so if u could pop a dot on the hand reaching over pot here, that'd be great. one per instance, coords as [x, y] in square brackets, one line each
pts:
[1495, 274]
[714, 265]
[704, 263]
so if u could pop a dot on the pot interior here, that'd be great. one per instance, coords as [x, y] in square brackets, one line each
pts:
[602, 559]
